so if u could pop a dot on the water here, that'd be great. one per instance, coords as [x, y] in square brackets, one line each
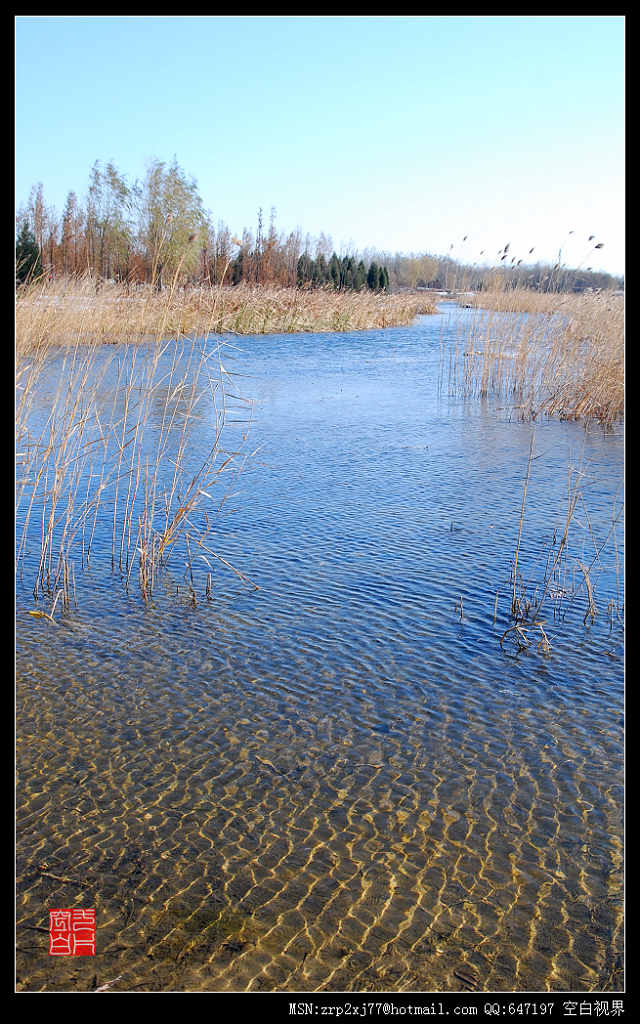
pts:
[340, 781]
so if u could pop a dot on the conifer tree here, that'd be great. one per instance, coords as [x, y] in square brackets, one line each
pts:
[237, 268]
[348, 271]
[321, 271]
[305, 270]
[334, 271]
[373, 277]
[28, 263]
[360, 276]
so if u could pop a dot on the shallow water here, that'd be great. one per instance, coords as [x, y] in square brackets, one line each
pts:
[340, 781]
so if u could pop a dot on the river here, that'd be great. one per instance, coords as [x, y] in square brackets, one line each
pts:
[342, 780]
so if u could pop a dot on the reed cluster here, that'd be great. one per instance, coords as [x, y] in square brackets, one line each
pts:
[553, 354]
[524, 300]
[105, 438]
[67, 311]
[562, 572]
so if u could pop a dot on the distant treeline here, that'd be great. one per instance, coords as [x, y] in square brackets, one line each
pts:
[341, 274]
[157, 231]
[442, 272]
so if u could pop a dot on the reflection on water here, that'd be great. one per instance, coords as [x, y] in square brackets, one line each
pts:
[338, 782]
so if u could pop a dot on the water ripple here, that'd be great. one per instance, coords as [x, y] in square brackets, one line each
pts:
[341, 781]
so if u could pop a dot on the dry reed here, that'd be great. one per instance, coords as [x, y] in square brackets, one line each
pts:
[105, 432]
[552, 354]
[66, 311]
[555, 581]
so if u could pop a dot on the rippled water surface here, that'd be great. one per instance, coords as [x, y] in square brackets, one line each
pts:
[341, 781]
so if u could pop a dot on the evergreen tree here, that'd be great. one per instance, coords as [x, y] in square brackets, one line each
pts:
[373, 277]
[360, 277]
[334, 271]
[237, 268]
[321, 271]
[348, 273]
[28, 262]
[305, 270]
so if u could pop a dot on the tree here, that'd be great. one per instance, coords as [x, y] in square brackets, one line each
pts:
[258, 252]
[71, 241]
[218, 246]
[418, 271]
[37, 215]
[321, 271]
[109, 223]
[28, 263]
[270, 260]
[237, 268]
[306, 268]
[373, 277]
[360, 276]
[348, 272]
[334, 271]
[172, 221]
[43, 224]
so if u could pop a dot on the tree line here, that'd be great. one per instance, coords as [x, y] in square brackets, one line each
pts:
[443, 272]
[157, 230]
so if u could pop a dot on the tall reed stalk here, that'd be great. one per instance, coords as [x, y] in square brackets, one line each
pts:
[514, 601]
[104, 435]
[527, 606]
[557, 355]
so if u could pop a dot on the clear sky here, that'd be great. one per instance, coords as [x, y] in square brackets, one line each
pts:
[399, 133]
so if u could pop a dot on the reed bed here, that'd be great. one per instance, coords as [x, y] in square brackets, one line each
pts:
[524, 300]
[553, 354]
[112, 449]
[105, 437]
[66, 311]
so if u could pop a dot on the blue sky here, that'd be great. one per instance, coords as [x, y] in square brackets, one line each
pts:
[399, 133]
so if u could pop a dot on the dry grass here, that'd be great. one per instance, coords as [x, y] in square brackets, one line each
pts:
[104, 437]
[65, 312]
[560, 355]
[523, 300]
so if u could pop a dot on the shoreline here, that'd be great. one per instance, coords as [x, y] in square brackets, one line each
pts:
[64, 313]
